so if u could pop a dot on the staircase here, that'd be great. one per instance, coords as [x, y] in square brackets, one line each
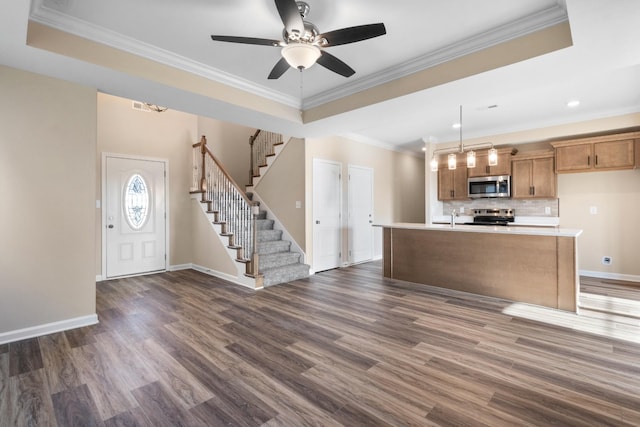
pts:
[276, 262]
[251, 235]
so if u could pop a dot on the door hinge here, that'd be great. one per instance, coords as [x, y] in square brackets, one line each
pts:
[339, 254]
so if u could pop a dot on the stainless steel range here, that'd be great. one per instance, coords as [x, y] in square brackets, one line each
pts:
[492, 217]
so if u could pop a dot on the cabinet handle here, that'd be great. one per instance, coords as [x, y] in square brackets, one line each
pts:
[530, 191]
[452, 193]
[596, 160]
[533, 190]
[588, 160]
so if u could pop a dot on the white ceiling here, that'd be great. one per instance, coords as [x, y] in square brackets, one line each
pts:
[601, 69]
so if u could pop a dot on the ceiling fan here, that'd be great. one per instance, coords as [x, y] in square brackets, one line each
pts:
[303, 45]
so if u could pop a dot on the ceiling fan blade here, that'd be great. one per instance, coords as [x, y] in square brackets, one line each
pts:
[291, 18]
[352, 34]
[279, 69]
[334, 64]
[246, 40]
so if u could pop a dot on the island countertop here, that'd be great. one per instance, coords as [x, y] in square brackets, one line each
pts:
[532, 231]
[535, 265]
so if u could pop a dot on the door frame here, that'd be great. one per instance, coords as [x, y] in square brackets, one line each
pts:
[103, 214]
[341, 262]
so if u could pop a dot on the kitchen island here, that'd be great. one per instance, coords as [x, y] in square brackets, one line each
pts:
[525, 264]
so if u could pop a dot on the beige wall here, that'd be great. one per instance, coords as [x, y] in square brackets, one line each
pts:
[283, 186]
[47, 178]
[168, 135]
[230, 144]
[208, 250]
[614, 231]
[398, 180]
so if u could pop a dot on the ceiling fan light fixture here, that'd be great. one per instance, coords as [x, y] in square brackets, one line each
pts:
[301, 55]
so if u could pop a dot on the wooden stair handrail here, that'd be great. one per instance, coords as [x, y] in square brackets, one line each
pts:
[205, 150]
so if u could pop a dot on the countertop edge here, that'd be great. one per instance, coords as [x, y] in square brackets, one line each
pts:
[518, 229]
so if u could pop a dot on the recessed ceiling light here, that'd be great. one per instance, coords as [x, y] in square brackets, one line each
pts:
[574, 103]
[456, 125]
[424, 148]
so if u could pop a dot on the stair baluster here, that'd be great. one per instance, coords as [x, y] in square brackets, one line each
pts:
[231, 207]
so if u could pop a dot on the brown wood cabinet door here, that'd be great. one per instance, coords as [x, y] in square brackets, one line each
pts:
[504, 165]
[614, 154]
[483, 169]
[482, 166]
[444, 184]
[543, 178]
[574, 158]
[452, 184]
[460, 190]
[521, 185]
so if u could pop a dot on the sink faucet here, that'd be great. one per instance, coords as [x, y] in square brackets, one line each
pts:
[453, 218]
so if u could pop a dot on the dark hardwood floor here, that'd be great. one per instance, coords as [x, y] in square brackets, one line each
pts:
[343, 348]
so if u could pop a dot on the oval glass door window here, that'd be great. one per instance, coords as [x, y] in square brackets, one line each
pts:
[136, 202]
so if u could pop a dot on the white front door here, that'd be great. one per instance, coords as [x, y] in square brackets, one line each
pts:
[134, 216]
[360, 214]
[327, 207]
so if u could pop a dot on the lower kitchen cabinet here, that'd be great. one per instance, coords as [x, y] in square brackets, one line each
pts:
[533, 176]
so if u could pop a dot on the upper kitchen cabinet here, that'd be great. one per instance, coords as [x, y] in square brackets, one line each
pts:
[452, 184]
[482, 163]
[608, 152]
[533, 176]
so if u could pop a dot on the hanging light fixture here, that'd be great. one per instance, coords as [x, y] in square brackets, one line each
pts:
[471, 154]
[493, 157]
[471, 159]
[434, 163]
[452, 161]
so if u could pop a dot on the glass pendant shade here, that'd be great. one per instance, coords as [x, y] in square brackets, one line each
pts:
[301, 55]
[493, 157]
[471, 159]
[434, 164]
[451, 161]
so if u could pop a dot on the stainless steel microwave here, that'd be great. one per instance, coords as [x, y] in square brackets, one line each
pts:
[489, 186]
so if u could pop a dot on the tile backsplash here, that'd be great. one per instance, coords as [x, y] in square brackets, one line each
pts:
[533, 207]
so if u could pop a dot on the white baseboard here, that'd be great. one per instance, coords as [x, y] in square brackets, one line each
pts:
[613, 276]
[249, 283]
[48, 328]
[179, 267]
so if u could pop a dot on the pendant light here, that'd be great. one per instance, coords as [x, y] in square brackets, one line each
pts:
[452, 159]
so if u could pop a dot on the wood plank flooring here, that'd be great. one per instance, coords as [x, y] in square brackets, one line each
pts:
[345, 347]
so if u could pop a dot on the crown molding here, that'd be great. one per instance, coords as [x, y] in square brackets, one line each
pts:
[45, 15]
[356, 137]
[521, 27]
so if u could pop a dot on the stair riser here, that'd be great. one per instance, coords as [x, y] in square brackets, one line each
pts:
[285, 274]
[269, 235]
[279, 260]
[273, 247]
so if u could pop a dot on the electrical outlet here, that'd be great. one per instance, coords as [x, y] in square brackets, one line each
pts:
[461, 209]
[606, 260]
[593, 210]
[547, 210]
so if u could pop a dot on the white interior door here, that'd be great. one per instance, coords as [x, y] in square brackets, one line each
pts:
[360, 214]
[134, 216]
[326, 215]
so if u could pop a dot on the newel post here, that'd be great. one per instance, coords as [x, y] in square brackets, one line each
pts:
[203, 177]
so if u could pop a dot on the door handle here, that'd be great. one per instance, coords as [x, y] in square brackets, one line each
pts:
[110, 226]
[317, 222]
